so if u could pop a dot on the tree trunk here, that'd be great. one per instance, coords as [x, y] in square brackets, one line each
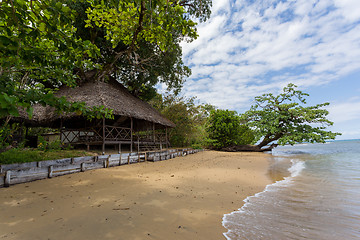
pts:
[248, 148]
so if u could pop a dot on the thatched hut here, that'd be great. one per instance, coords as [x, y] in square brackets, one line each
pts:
[135, 121]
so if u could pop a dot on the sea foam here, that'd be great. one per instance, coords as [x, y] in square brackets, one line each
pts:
[295, 169]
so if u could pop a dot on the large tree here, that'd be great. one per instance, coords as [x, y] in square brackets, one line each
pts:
[139, 41]
[285, 119]
[45, 44]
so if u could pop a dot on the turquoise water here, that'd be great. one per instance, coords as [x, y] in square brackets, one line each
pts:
[315, 195]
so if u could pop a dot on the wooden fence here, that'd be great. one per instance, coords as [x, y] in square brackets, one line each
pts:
[25, 172]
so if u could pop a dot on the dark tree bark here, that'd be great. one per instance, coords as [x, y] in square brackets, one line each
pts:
[249, 148]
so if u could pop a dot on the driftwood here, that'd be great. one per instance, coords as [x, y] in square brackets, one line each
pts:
[248, 148]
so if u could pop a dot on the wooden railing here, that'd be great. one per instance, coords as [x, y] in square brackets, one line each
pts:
[117, 133]
[112, 133]
[81, 135]
[151, 136]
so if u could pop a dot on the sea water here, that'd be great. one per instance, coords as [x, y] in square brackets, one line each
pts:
[315, 195]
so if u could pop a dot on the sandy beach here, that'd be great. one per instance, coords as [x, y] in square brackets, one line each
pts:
[180, 198]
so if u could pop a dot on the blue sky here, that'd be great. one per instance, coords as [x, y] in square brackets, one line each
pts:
[252, 47]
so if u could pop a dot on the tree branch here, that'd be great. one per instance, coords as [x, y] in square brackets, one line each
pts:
[130, 49]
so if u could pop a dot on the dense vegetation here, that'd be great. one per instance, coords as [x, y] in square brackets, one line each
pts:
[190, 119]
[47, 44]
[225, 129]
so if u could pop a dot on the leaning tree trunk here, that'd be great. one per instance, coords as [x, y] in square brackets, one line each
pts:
[248, 148]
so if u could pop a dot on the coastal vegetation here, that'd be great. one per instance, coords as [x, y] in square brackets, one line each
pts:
[225, 129]
[45, 45]
[285, 119]
[189, 117]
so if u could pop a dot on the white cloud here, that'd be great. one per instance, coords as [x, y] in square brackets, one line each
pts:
[220, 5]
[248, 48]
[350, 9]
[345, 111]
[251, 47]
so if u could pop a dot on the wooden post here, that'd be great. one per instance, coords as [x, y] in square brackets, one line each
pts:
[132, 129]
[7, 178]
[103, 136]
[166, 138]
[82, 165]
[145, 156]
[106, 162]
[138, 144]
[61, 131]
[119, 148]
[50, 175]
[154, 138]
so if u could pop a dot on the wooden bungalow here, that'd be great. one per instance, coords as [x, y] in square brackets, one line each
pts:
[135, 122]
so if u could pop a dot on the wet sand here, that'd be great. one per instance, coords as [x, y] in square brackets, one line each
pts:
[180, 198]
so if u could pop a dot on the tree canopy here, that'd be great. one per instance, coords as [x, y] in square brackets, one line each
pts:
[225, 129]
[45, 44]
[189, 118]
[285, 119]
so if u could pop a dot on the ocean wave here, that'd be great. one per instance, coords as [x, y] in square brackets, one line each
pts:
[295, 170]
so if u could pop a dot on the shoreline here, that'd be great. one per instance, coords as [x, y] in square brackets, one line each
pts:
[180, 198]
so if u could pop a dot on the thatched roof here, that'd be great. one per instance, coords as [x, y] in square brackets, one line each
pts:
[112, 95]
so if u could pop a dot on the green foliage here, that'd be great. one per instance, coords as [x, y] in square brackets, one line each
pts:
[139, 41]
[48, 146]
[285, 118]
[188, 117]
[225, 129]
[9, 134]
[19, 155]
[155, 23]
[47, 44]
[39, 51]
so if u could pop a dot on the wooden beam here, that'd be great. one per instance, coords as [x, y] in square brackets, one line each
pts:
[132, 129]
[138, 144]
[154, 132]
[103, 136]
[61, 123]
[166, 138]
